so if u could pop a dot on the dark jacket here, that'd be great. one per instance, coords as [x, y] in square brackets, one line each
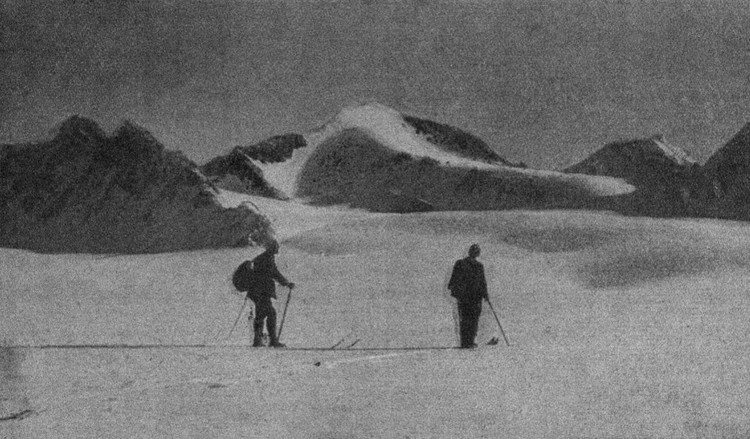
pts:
[266, 272]
[468, 283]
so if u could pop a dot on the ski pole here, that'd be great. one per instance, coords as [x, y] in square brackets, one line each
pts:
[498, 321]
[286, 307]
[238, 318]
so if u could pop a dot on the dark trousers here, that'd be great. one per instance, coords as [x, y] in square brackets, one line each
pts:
[468, 318]
[264, 311]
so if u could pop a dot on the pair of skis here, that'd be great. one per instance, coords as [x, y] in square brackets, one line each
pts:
[340, 346]
[494, 340]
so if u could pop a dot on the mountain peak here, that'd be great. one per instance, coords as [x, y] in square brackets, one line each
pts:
[84, 191]
[78, 130]
[615, 157]
[373, 117]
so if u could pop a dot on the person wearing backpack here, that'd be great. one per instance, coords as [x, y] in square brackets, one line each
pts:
[468, 286]
[262, 290]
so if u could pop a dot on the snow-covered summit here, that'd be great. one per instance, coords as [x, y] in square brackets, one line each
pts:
[389, 127]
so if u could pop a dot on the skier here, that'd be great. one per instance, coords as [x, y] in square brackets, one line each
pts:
[469, 286]
[266, 272]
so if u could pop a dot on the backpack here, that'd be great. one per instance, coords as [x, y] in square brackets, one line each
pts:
[244, 276]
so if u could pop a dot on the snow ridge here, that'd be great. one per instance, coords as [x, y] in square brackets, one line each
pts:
[389, 127]
[676, 154]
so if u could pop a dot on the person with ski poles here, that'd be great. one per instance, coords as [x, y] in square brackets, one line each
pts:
[468, 286]
[264, 289]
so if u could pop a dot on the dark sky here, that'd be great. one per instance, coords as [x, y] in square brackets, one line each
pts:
[542, 82]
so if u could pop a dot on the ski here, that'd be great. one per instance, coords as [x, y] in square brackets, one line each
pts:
[352, 345]
[337, 344]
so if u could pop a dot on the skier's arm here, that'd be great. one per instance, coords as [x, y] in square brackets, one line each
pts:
[483, 284]
[276, 274]
[454, 277]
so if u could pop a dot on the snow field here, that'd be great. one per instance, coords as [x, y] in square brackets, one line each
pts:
[620, 327]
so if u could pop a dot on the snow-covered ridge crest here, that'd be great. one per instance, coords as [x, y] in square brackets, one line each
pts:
[678, 155]
[389, 127]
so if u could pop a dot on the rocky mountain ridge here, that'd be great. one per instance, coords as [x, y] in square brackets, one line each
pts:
[84, 191]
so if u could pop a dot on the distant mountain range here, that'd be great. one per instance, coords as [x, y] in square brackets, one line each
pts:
[375, 158]
[86, 191]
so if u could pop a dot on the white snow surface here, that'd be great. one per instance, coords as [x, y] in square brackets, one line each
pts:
[285, 216]
[388, 127]
[619, 327]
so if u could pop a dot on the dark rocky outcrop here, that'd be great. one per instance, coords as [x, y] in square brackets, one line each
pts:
[457, 141]
[274, 149]
[84, 191]
[727, 172]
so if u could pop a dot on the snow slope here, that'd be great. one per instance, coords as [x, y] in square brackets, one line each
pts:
[620, 327]
[388, 127]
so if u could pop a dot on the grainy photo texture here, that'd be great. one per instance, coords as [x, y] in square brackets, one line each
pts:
[374, 219]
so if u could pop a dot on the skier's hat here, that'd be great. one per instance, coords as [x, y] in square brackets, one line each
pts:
[474, 249]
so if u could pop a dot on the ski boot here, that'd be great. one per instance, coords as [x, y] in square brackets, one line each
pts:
[258, 337]
[275, 343]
